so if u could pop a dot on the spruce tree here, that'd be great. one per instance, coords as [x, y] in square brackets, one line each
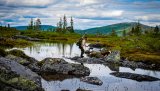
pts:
[156, 30]
[38, 25]
[64, 23]
[137, 30]
[124, 33]
[72, 29]
[113, 33]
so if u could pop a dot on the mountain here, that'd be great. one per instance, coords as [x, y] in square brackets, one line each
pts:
[119, 27]
[43, 27]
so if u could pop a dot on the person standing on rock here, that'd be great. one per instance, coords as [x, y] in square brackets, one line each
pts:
[82, 44]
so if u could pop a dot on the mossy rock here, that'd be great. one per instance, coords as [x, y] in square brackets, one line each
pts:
[18, 53]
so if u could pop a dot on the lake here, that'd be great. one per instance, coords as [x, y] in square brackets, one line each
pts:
[41, 50]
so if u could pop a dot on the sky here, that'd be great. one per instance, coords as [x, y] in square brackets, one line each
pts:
[85, 13]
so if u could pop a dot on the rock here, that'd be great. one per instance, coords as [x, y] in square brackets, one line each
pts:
[133, 76]
[21, 54]
[95, 54]
[17, 76]
[113, 67]
[23, 59]
[88, 60]
[26, 38]
[56, 77]
[97, 45]
[60, 66]
[18, 59]
[113, 57]
[92, 80]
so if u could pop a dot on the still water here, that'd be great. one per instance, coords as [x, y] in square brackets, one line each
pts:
[110, 83]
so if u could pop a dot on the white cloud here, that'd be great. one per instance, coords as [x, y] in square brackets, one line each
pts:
[39, 3]
[86, 13]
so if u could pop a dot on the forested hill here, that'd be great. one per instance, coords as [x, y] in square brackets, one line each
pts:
[119, 27]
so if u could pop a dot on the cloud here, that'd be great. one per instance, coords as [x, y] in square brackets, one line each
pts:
[86, 13]
[27, 3]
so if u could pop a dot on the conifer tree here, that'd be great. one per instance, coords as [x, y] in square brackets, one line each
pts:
[64, 23]
[72, 29]
[156, 30]
[137, 30]
[8, 25]
[31, 26]
[113, 33]
[38, 25]
[124, 33]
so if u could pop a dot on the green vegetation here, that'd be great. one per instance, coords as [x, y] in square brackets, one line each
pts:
[6, 38]
[52, 36]
[139, 42]
[136, 47]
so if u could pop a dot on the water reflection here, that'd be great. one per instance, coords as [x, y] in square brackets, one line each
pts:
[55, 50]
[110, 83]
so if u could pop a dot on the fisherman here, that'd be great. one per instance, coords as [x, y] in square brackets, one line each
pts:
[82, 44]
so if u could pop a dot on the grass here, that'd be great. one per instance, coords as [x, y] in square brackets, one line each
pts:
[135, 48]
[14, 43]
[52, 36]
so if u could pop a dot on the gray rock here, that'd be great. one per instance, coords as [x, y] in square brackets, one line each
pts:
[133, 76]
[18, 76]
[113, 57]
[92, 80]
[22, 58]
[60, 66]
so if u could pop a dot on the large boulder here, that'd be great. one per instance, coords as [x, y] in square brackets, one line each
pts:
[114, 56]
[60, 66]
[92, 80]
[20, 57]
[133, 76]
[17, 76]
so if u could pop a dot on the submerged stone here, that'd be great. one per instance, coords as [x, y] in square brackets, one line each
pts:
[92, 80]
[133, 76]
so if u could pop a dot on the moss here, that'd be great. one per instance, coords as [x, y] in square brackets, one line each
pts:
[7, 42]
[17, 81]
[18, 53]
[40, 63]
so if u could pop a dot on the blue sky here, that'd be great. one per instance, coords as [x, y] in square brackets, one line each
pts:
[86, 13]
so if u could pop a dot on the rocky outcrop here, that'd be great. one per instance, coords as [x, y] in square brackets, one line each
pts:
[137, 77]
[92, 80]
[16, 76]
[60, 66]
[26, 38]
